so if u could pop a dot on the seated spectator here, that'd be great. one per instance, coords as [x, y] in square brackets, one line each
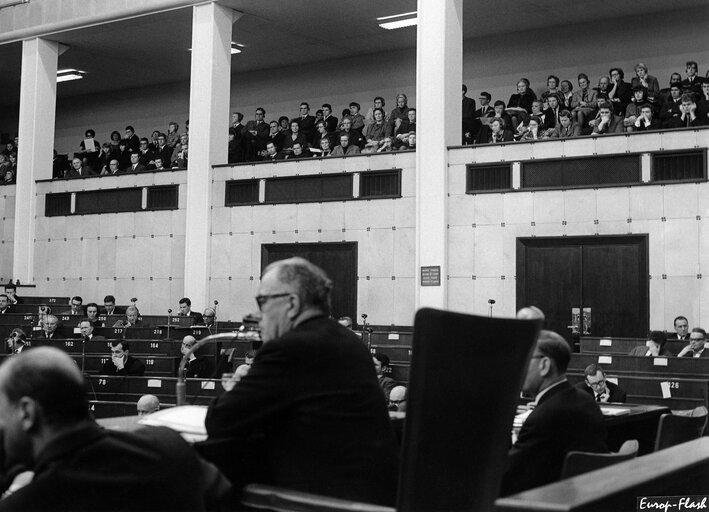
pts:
[397, 399]
[131, 139]
[49, 330]
[696, 347]
[398, 114]
[331, 122]
[551, 114]
[43, 312]
[345, 321]
[356, 118]
[275, 135]
[499, 112]
[703, 104]
[87, 331]
[583, 102]
[105, 157]
[78, 170]
[60, 165]
[566, 95]
[597, 386]
[135, 165]
[552, 90]
[197, 366]
[163, 150]
[154, 139]
[564, 418]
[381, 365]
[654, 346]
[76, 307]
[112, 170]
[520, 104]
[209, 316]
[109, 306]
[115, 141]
[12, 159]
[181, 161]
[482, 117]
[648, 81]
[283, 124]
[5, 307]
[325, 147]
[693, 83]
[295, 136]
[8, 178]
[646, 120]
[410, 143]
[121, 363]
[173, 134]
[534, 129]
[666, 93]
[345, 148]
[159, 166]
[604, 86]
[17, 341]
[321, 132]
[379, 103]
[375, 133]
[148, 404]
[401, 135]
[90, 154]
[671, 111]
[4, 164]
[78, 465]
[92, 314]
[497, 132]
[632, 111]
[145, 154]
[271, 153]
[681, 325]
[11, 292]
[620, 92]
[123, 156]
[689, 113]
[607, 121]
[131, 318]
[355, 136]
[523, 127]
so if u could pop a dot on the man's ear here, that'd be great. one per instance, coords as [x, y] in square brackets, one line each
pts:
[29, 411]
[295, 306]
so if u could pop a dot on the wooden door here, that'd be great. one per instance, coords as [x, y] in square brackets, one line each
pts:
[607, 274]
[338, 260]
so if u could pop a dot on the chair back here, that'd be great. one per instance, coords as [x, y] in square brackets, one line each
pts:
[577, 463]
[675, 429]
[464, 386]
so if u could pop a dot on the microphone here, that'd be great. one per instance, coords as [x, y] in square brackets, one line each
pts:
[181, 384]
[491, 302]
[216, 302]
[169, 321]
[364, 316]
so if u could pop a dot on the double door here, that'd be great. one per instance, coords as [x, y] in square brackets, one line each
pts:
[592, 286]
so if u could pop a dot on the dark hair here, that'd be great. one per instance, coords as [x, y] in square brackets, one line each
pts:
[109, 298]
[310, 282]
[283, 118]
[487, 95]
[605, 104]
[380, 99]
[262, 110]
[537, 119]
[382, 358]
[185, 300]
[582, 75]
[91, 305]
[59, 392]
[305, 103]
[556, 79]
[144, 139]
[239, 116]
[10, 286]
[498, 103]
[77, 298]
[680, 318]
[699, 329]
[3, 295]
[620, 72]
[567, 82]
[327, 105]
[592, 369]
[691, 63]
[355, 104]
[378, 109]
[688, 97]
[658, 337]
[251, 353]
[91, 132]
[465, 88]
[115, 132]
[129, 127]
[122, 343]
[555, 348]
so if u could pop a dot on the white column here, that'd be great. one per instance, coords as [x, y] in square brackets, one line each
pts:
[38, 99]
[209, 136]
[439, 75]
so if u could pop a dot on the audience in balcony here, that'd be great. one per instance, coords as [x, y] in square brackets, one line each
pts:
[345, 148]
[583, 101]
[671, 112]
[646, 120]
[607, 122]
[621, 92]
[375, 133]
[643, 79]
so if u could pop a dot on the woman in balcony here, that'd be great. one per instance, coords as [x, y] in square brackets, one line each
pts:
[375, 133]
[520, 104]
[632, 111]
[498, 132]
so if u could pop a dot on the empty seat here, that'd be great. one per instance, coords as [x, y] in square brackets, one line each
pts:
[577, 463]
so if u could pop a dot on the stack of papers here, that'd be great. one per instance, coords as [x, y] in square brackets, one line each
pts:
[188, 420]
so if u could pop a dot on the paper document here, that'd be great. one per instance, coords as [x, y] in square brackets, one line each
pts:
[186, 419]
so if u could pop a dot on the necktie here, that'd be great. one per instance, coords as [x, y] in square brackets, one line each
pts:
[598, 398]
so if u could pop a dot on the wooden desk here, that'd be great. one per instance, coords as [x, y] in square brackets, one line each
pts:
[640, 423]
[672, 366]
[679, 470]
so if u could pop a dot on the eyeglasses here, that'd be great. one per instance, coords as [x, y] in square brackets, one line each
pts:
[598, 384]
[261, 300]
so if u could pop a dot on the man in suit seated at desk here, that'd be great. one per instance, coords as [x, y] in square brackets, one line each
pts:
[109, 306]
[696, 348]
[121, 363]
[87, 331]
[5, 304]
[131, 319]
[197, 366]
[654, 346]
[77, 465]
[681, 329]
[185, 310]
[563, 418]
[50, 332]
[597, 386]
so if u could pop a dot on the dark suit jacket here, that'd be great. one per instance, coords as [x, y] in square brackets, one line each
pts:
[92, 469]
[56, 335]
[138, 168]
[307, 126]
[132, 366]
[198, 319]
[85, 171]
[468, 109]
[642, 350]
[313, 395]
[199, 368]
[616, 394]
[565, 419]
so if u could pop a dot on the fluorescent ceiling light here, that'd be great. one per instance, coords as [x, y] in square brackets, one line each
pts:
[407, 19]
[235, 48]
[65, 75]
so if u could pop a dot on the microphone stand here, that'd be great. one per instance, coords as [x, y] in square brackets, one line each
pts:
[181, 384]
[216, 328]
[491, 302]
[169, 318]
[365, 328]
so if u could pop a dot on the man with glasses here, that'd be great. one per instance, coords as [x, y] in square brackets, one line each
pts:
[696, 348]
[563, 418]
[598, 387]
[197, 366]
[76, 309]
[311, 396]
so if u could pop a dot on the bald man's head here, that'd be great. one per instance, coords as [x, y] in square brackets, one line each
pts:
[51, 378]
[148, 404]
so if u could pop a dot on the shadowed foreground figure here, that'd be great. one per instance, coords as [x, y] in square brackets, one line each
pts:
[311, 398]
[77, 465]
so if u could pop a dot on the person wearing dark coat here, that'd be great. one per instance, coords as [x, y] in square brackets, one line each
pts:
[599, 388]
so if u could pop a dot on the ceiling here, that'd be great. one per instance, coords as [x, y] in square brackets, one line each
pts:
[153, 49]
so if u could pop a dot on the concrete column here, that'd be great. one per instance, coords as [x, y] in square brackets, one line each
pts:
[209, 137]
[38, 100]
[439, 75]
